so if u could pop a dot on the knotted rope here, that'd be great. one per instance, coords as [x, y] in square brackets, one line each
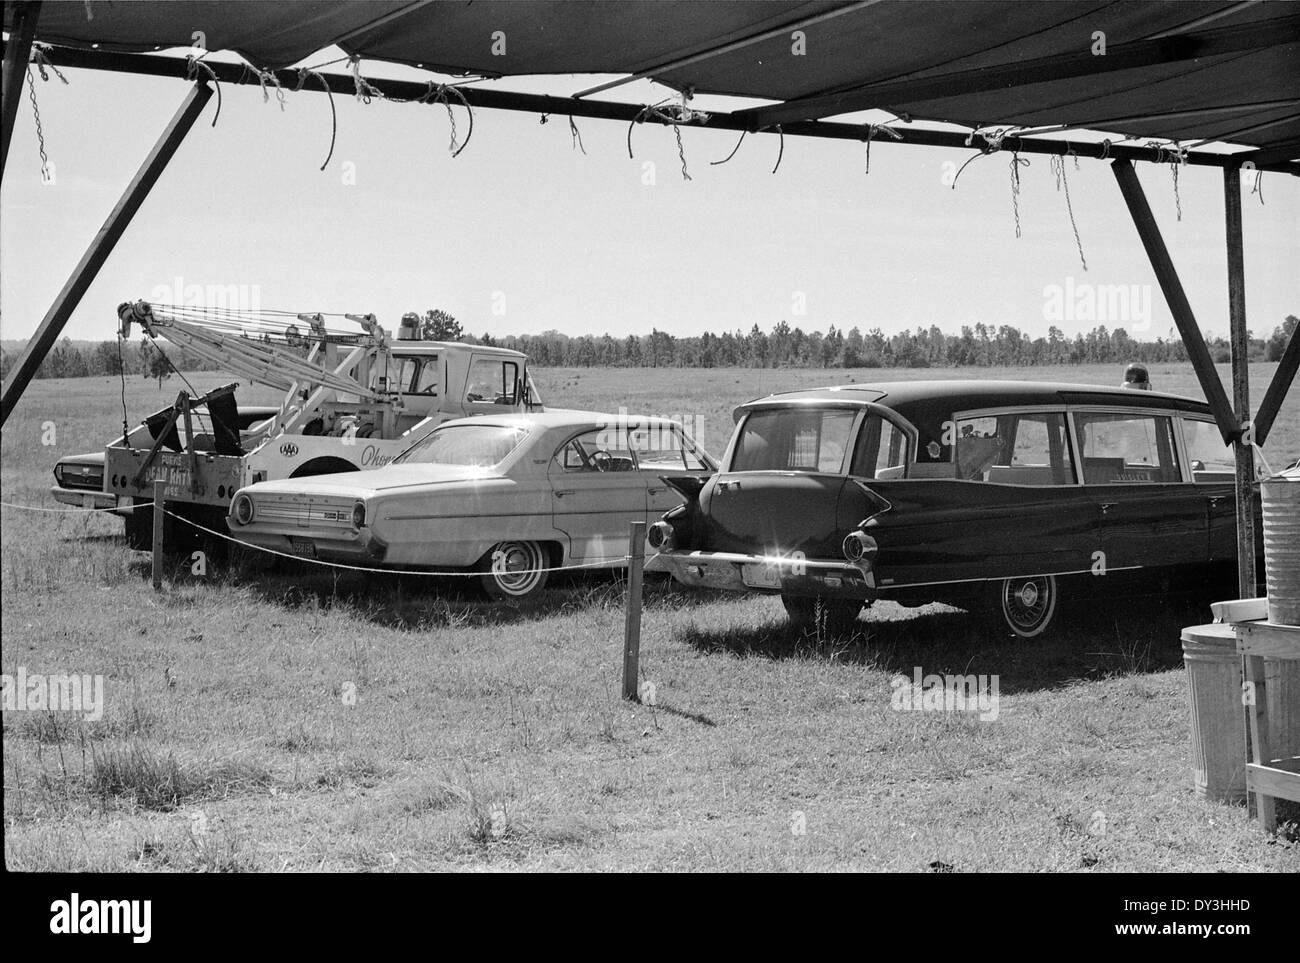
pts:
[192, 66]
[1259, 186]
[303, 74]
[872, 130]
[438, 94]
[673, 115]
[40, 133]
[365, 92]
[265, 77]
[577, 137]
[1016, 163]
[40, 57]
[1057, 164]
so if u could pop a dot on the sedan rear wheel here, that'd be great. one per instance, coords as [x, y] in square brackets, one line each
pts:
[1027, 605]
[832, 618]
[514, 570]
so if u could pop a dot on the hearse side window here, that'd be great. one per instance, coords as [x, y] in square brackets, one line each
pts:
[1126, 449]
[882, 450]
[662, 448]
[794, 439]
[1212, 460]
[1027, 448]
[605, 449]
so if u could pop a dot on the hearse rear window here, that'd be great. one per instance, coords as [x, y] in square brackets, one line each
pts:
[882, 450]
[794, 439]
[1212, 460]
[1126, 449]
[1027, 448]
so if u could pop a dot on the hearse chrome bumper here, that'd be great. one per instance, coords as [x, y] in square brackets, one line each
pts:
[758, 573]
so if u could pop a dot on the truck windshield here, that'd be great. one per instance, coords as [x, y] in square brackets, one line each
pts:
[473, 446]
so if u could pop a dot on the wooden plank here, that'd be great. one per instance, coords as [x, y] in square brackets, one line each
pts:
[1240, 610]
[1255, 697]
[18, 50]
[632, 623]
[101, 247]
[1179, 306]
[1054, 67]
[1269, 640]
[1283, 378]
[1239, 340]
[1274, 782]
[159, 519]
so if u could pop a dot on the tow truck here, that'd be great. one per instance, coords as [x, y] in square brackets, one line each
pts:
[354, 399]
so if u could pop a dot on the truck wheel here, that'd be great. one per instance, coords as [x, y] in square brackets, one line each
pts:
[514, 570]
[832, 618]
[1027, 605]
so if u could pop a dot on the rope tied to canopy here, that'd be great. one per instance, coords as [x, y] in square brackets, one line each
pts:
[437, 93]
[673, 115]
[1057, 164]
[303, 74]
[1016, 163]
[193, 64]
[365, 92]
[872, 130]
[40, 57]
[265, 77]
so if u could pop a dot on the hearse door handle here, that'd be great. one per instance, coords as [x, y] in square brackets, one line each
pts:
[560, 493]
[1107, 506]
[659, 491]
[1214, 500]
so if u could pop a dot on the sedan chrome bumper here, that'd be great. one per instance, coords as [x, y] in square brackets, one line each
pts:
[83, 498]
[758, 573]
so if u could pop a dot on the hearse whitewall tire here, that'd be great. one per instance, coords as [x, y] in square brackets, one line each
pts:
[1028, 605]
[514, 570]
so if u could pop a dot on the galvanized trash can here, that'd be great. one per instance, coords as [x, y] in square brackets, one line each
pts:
[1281, 498]
[1218, 722]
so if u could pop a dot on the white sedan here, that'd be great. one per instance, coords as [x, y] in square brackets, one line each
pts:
[509, 497]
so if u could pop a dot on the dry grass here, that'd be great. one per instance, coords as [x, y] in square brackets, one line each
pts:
[299, 721]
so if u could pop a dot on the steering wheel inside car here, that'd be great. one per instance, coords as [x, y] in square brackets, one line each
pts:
[601, 460]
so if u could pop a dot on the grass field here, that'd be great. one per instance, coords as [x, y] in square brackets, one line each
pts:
[301, 721]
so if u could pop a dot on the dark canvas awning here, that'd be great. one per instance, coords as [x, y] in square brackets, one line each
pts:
[1184, 71]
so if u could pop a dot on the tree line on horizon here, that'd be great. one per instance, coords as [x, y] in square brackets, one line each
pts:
[977, 345]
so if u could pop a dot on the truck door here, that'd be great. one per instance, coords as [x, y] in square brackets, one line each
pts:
[493, 385]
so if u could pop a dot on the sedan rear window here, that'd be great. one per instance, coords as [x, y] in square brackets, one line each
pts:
[473, 446]
[794, 439]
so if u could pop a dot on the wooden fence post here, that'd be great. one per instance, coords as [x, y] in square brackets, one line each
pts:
[632, 626]
[159, 515]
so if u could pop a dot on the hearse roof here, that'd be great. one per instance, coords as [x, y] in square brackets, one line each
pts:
[963, 394]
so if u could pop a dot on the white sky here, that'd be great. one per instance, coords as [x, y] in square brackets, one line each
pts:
[577, 243]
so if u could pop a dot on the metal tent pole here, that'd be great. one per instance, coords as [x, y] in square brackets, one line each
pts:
[1239, 340]
[101, 247]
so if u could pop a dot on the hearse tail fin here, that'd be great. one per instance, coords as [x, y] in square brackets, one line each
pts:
[688, 486]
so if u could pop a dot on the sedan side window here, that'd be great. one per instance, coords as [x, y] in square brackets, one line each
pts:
[1212, 460]
[605, 449]
[662, 448]
[1015, 449]
[1126, 449]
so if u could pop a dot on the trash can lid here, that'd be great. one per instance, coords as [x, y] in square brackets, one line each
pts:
[1214, 633]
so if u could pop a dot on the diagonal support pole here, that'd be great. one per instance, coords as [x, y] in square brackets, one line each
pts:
[1163, 265]
[101, 247]
[1278, 387]
[18, 50]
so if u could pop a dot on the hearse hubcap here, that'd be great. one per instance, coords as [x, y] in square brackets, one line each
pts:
[1028, 604]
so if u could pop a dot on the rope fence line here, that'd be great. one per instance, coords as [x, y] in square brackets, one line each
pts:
[602, 562]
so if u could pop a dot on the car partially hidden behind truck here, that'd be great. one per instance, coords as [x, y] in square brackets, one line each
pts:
[353, 400]
[994, 495]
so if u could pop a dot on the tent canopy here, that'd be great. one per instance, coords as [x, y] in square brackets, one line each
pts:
[1183, 71]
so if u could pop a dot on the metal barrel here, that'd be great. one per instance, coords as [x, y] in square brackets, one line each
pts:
[1281, 498]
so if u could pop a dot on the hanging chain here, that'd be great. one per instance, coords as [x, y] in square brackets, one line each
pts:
[40, 134]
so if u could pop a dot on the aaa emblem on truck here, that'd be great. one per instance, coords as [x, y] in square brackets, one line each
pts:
[288, 449]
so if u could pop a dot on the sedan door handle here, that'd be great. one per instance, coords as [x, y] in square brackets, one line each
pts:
[566, 491]
[659, 491]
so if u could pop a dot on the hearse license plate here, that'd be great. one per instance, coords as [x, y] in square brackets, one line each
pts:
[303, 547]
[759, 575]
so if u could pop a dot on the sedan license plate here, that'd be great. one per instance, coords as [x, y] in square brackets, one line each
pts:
[303, 547]
[760, 575]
